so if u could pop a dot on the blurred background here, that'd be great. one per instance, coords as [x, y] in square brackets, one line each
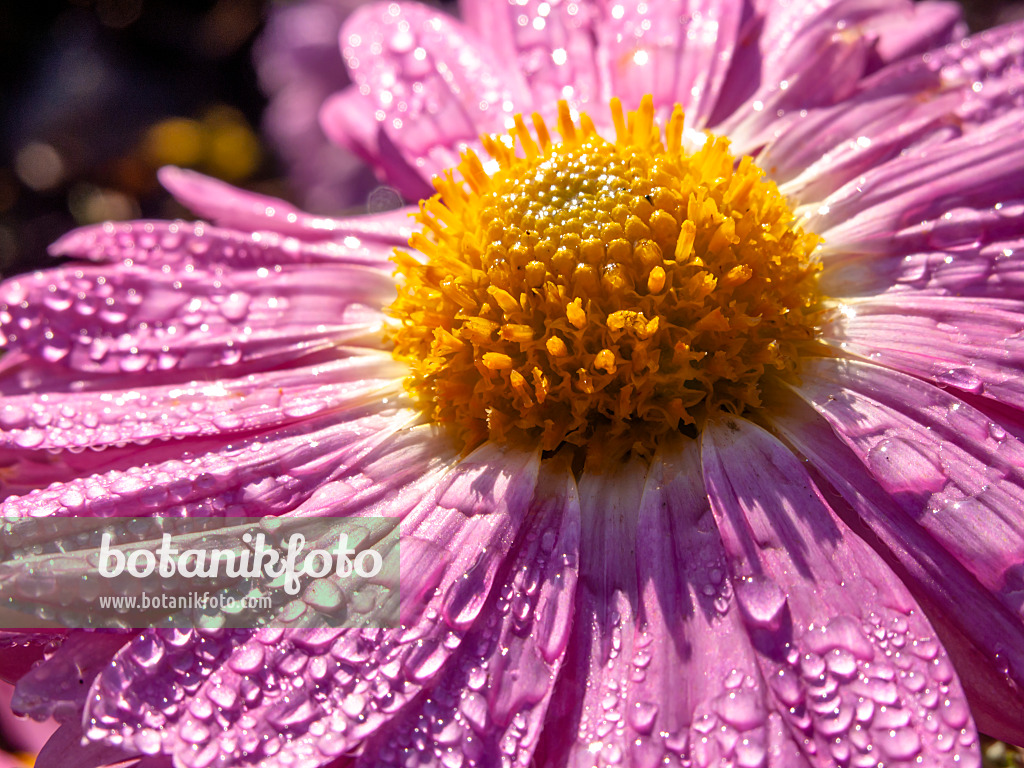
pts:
[95, 95]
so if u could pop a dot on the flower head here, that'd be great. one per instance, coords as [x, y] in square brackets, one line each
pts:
[702, 419]
[594, 291]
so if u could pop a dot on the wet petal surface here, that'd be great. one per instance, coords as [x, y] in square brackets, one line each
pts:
[840, 641]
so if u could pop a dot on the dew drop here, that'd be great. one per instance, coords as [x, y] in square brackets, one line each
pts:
[247, 659]
[29, 438]
[641, 716]
[148, 741]
[904, 466]
[741, 709]
[961, 378]
[228, 421]
[235, 307]
[466, 595]
[761, 601]
[901, 744]
[474, 708]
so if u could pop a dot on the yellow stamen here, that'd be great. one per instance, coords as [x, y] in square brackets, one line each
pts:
[602, 292]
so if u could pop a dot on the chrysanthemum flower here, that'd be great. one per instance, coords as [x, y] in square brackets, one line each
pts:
[700, 401]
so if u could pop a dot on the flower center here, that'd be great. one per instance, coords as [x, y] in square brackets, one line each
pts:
[590, 291]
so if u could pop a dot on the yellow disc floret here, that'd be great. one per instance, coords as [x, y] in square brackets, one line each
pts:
[589, 291]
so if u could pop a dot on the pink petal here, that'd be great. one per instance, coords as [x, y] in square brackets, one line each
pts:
[982, 166]
[851, 660]
[821, 152]
[814, 54]
[265, 474]
[923, 220]
[235, 208]
[975, 627]
[135, 686]
[344, 118]
[493, 484]
[433, 86]
[195, 409]
[965, 251]
[604, 640]
[828, 72]
[945, 464]
[22, 649]
[973, 344]
[188, 245]
[923, 26]
[791, 29]
[551, 44]
[453, 546]
[138, 317]
[682, 683]
[57, 687]
[386, 478]
[489, 703]
[895, 29]
[299, 64]
[677, 51]
[785, 49]
[901, 109]
[67, 741]
[21, 733]
[992, 59]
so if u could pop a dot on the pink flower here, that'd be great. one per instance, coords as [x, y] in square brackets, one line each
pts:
[299, 64]
[694, 467]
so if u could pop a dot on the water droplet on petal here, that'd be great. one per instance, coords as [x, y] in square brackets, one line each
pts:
[902, 465]
[148, 741]
[235, 307]
[900, 744]
[741, 709]
[641, 716]
[30, 438]
[246, 659]
[474, 709]
[761, 601]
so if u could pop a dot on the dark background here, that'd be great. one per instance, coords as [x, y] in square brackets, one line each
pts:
[96, 94]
